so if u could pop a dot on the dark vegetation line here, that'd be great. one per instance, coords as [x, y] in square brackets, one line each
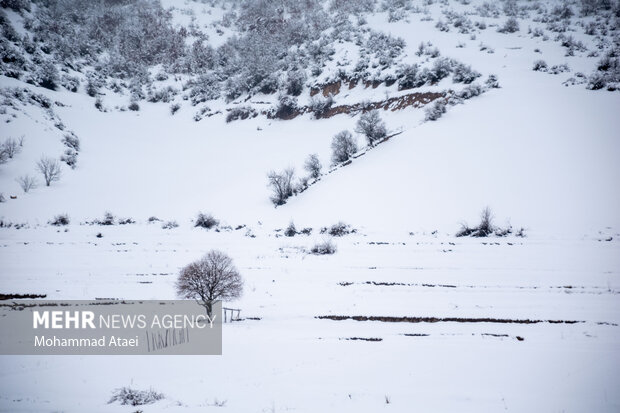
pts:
[388, 319]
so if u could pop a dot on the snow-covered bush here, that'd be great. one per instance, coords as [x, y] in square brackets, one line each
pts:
[557, 69]
[108, 219]
[128, 396]
[343, 147]
[290, 231]
[205, 221]
[463, 73]
[45, 75]
[510, 26]
[385, 47]
[607, 73]
[240, 112]
[408, 77]
[371, 126]
[281, 184]
[339, 229]
[286, 108]
[16, 5]
[540, 66]
[435, 111]
[440, 70]
[313, 165]
[60, 220]
[205, 87]
[134, 106]
[126, 221]
[486, 227]
[71, 83]
[294, 83]
[571, 44]
[71, 141]
[326, 247]
[492, 81]
[165, 95]
[70, 157]
[169, 225]
[470, 91]
[320, 105]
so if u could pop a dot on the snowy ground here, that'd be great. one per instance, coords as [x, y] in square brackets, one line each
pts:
[542, 155]
[289, 360]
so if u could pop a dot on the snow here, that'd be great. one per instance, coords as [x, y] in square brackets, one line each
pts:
[542, 155]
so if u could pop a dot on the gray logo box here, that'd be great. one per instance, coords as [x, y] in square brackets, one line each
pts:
[115, 327]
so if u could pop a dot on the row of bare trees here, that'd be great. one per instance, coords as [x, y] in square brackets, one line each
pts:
[48, 167]
[344, 146]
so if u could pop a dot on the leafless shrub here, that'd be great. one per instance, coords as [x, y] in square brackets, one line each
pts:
[207, 221]
[60, 220]
[27, 182]
[338, 230]
[435, 111]
[282, 185]
[290, 231]
[50, 169]
[510, 26]
[313, 165]
[11, 147]
[169, 225]
[212, 277]
[108, 219]
[128, 396]
[486, 227]
[71, 141]
[326, 247]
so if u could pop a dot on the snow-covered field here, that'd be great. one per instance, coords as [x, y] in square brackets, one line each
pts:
[492, 324]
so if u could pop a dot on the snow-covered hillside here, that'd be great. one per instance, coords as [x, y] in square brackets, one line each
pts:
[156, 112]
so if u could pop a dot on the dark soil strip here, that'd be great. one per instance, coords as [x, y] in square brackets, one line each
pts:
[364, 338]
[577, 289]
[386, 319]
[16, 296]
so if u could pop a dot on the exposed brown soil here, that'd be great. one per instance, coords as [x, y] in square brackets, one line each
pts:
[388, 319]
[415, 100]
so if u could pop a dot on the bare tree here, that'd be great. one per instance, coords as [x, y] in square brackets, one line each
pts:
[26, 182]
[343, 147]
[11, 147]
[213, 277]
[313, 165]
[281, 185]
[50, 168]
[371, 126]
